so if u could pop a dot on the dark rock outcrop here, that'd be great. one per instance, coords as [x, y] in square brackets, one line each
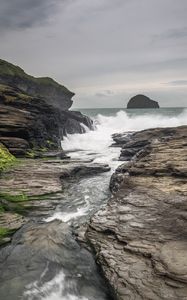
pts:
[132, 142]
[141, 101]
[140, 237]
[30, 123]
[44, 87]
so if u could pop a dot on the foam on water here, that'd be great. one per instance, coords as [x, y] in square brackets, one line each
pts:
[68, 216]
[55, 289]
[98, 141]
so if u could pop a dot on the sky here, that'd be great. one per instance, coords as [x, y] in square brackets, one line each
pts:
[105, 51]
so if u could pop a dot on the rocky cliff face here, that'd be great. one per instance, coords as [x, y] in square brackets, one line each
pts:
[34, 112]
[141, 101]
[30, 123]
[140, 237]
[44, 87]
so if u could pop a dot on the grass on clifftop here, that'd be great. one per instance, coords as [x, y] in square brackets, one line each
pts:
[6, 159]
[10, 70]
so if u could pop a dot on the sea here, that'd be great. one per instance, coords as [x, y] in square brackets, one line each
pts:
[108, 121]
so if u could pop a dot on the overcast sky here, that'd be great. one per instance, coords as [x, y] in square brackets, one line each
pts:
[104, 50]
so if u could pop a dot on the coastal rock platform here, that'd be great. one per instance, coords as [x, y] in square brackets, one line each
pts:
[34, 187]
[140, 237]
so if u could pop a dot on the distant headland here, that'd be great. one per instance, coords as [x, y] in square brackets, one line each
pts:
[142, 101]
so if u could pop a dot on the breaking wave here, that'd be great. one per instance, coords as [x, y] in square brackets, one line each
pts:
[99, 140]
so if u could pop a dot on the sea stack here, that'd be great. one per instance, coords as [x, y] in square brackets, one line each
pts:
[142, 101]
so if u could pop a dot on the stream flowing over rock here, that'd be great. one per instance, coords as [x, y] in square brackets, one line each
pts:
[42, 259]
[140, 236]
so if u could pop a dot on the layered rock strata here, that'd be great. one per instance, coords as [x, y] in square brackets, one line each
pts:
[29, 121]
[36, 185]
[140, 237]
[54, 94]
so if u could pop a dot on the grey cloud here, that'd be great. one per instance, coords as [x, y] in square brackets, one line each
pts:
[100, 95]
[106, 93]
[98, 47]
[20, 14]
[177, 82]
[172, 34]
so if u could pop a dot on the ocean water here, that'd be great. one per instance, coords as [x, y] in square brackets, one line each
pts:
[166, 111]
[115, 120]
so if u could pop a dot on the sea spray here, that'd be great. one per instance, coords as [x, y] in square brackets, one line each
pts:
[97, 142]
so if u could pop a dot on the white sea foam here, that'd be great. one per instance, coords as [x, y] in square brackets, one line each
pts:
[98, 141]
[54, 289]
[96, 145]
[68, 216]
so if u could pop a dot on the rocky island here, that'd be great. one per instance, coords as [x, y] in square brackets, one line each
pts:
[142, 101]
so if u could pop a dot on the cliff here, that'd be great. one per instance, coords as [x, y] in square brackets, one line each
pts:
[44, 87]
[141, 101]
[30, 118]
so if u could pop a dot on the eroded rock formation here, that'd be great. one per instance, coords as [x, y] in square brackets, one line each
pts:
[140, 237]
[33, 120]
[44, 87]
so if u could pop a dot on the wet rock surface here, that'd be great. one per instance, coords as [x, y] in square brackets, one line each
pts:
[33, 188]
[140, 237]
[42, 257]
[37, 255]
[34, 177]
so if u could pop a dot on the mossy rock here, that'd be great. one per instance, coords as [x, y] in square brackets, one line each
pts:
[9, 70]
[5, 231]
[6, 158]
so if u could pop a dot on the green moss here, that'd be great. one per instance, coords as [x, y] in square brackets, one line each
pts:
[50, 143]
[2, 209]
[14, 203]
[4, 88]
[6, 159]
[31, 153]
[14, 198]
[43, 149]
[4, 231]
[7, 68]
[23, 96]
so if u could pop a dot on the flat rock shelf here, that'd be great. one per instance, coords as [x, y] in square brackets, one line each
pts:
[140, 236]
